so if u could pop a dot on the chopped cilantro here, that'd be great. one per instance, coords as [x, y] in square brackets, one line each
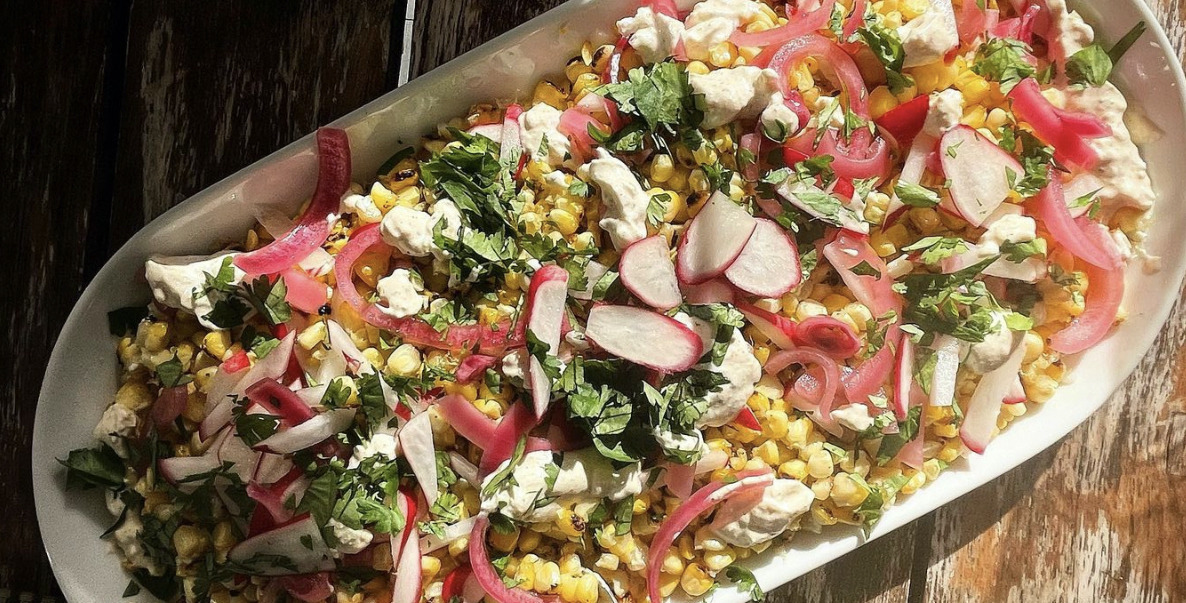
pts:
[1003, 60]
[887, 47]
[916, 195]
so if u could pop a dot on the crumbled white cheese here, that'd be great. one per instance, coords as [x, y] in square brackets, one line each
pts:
[514, 365]
[380, 444]
[744, 522]
[1009, 228]
[362, 206]
[537, 131]
[988, 355]
[713, 21]
[733, 93]
[118, 422]
[349, 540]
[653, 35]
[411, 231]
[739, 366]
[623, 198]
[778, 120]
[853, 416]
[400, 293]
[582, 475]
[945, 110]
[179, 282]
[928, 37]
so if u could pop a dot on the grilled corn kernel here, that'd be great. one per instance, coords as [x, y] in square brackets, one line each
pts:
[217, 342]
[974, 117]
[529, 540]
[587, 589]
[695, 581]
[565, 222]
[133, 395]
[881, 100]
[794, 469]
[847, 492]
[585, 81]
[697, 67]
[190, 541]
[820, 464]
[576, 68]
[312, 335]
[156, 337]
[404, 361]
[547, 577]
[912, 9]
[808, 308]
[548, 93]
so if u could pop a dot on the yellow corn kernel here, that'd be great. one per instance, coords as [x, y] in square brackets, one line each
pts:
[882, 245]
[912, 9]
[776, 425]
[794, 469]
[529, 541]
[133, 395]
[916, 481]
[404, 361]
[768, 452]
[224, 537]
[1034, 346]
[722, 54]
[217, 342]
[661, 168]
[881, 100]
[549, 93]
[587, 589]
[190, 541]
[695, 581]
[834, 302]
[576, 68]
[808, 308]
[585, 81]
[570, 524]
[569, 585]
[974, 117]
[547, 577]
[925, 219]
[820, 464]
[697, 67]
[667, 584]
[156, 337]
[847, 492]
[565, 222]
[312, 335]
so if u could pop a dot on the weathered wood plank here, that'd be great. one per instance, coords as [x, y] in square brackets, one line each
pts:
[446, 28]
[212, 87]
[53, 61]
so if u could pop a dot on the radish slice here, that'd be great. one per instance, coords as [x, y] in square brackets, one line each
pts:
[593, 273]
[979, 172]
[333, 179]
[178, 469]
[299, 541]
[714, 239]
[1016, 393]
[644, 337]
[769, 264]
[310, 588]
[647, 272]
[847, 251]
[275, 498]
[1078, 187]
[309, 433]
[304, 292]
[464, 469]
[451, 532]
[828, 335]
[271, 468]
[679, 478]
[280, 401]
[1105, 292]
[947, 364]
[219, 404]
[903, 378]
[824, 394]
[803, 23]
[713, 292]
[776, 327]
[341, 341]
[406, 587]
[545, 318]
[980, 419]
[474, 367]
[491, 131]
[416, 440]
[487, 576]
[241, 457]
[704, 499]
[467, 420]
[1066, 131]
[515, 424]
[169, 405]
[510, 148]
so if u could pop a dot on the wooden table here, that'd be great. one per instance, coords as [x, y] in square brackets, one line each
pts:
[111, 112]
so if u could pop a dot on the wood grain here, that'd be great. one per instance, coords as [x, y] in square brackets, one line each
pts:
[212, 87]
[52, 66]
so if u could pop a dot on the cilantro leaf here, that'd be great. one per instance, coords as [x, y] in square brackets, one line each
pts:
[269, 299]
[1090, 66]
[1003, 60]
[88, 468]
[887, 47]
[916, 195]
[171, 374]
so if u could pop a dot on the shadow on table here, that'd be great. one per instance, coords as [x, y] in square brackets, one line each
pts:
[894, 567]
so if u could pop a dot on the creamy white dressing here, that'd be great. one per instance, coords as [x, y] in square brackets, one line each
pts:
[928, 37]
[400, 294]
[537, 130]
[624, 199]
[712, 22]
[739, 366]
[777, 119]
[944, 112]
[988, 355]
[733, 93]
[653, 35]
[780, 504]
[853, 416]
[179, 282]
[582, 475]
[118, 422]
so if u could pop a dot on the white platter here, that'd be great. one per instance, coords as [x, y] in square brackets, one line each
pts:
[82, 372]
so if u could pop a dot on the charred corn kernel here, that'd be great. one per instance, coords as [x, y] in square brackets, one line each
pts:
[548, 93]
[925, 219]
[203, 376]
[974, 117]
[697, 67]
[217, 342]
[882, 245]
[312, 336]
[133, 395]
[190, 541]
[847, 492]
[429, 567]
[156, 337]
[586, 81]
[820, 464]
[529, 541]
[1038, 388]
[576, 68]
[881, 100]
[661, 168]
[776, 425]
[566, 223]
[794, 469]
[912, 9]
[808, 308]
[404, 361]
[569, 523]
[695, 581]
[383, 198]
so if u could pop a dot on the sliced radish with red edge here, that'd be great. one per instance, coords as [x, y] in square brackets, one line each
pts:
[644, 337]
[647, 271]
[713, 240]
[769, 264]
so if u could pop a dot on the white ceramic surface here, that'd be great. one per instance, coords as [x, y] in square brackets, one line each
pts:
[82, 372]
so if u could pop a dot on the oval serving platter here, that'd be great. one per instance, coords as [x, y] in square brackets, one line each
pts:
[82, 372]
